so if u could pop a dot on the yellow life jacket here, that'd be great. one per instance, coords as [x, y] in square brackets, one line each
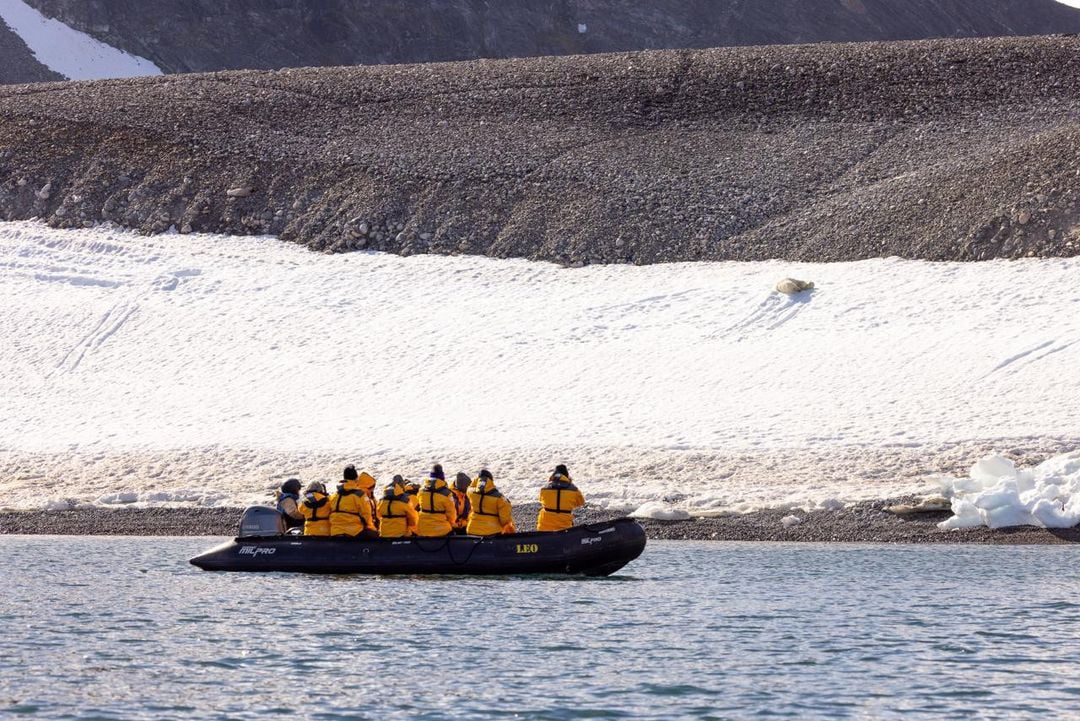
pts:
[350, 511]
[412, 496]
[461, 508]
[396, 516]
[316, 511]
[491, 512]
[558, 499]
[367, 482]
[437, 511]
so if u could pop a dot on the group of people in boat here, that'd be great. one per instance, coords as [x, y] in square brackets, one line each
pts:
[437, 508]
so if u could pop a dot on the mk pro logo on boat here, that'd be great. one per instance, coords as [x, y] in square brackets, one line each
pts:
[257, 551]
[588, 541]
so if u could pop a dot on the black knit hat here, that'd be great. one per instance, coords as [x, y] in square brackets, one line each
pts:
[291, 486]
[561, 470]
[350, 473]
[485, 473]
[398, 478]
[437, 472]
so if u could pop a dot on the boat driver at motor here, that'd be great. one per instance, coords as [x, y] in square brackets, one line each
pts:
[287, 503]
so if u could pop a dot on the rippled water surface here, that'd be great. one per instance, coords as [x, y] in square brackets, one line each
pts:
[122, 628]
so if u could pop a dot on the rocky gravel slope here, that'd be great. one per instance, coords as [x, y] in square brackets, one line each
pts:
[17, 63]
[954, 149]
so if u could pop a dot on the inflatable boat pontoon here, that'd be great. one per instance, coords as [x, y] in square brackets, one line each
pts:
[597, 549]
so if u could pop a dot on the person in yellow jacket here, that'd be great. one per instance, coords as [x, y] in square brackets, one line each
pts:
[396, 517]
[350, 507]
[412, 491]
[315, 507]
[367, 484]
[462, 507]
[437, 512]
[490, 510]
[558, 499]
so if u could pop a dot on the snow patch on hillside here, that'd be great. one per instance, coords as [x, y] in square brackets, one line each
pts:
[142, 365]
[67, 51]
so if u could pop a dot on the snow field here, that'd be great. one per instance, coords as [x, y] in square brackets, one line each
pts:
[211, 368]
[70, 52]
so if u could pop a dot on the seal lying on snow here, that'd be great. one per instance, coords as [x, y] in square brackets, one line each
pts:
[790, 286]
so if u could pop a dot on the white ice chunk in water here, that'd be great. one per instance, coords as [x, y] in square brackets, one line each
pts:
[789, 521]
[996, 494]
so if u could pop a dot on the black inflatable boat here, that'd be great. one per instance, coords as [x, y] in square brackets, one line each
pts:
[597, 549]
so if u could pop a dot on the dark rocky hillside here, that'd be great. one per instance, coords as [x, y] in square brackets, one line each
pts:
[17, 63]
[957, 149]
[201, 35]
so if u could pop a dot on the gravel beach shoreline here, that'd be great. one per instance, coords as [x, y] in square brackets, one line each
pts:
[860, 523]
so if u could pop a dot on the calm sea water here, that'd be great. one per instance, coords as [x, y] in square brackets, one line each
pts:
[123, 628]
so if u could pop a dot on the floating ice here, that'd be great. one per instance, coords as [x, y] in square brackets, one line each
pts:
[790, 521]
[659, 511]
[997, 494]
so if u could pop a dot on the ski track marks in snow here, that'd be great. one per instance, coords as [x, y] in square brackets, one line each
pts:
[649, 380]
[108, 324]
[1032, 355]
[772, 312]
[113, 319]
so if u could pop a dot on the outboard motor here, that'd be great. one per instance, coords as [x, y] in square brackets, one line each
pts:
[261, 522]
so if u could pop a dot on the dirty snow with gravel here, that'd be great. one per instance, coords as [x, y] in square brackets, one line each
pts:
[206, 369]
[70, 52]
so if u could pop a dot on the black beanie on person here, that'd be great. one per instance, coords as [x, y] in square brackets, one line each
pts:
[561, 470]
[485, 473]
[350, 473]
[437, 472]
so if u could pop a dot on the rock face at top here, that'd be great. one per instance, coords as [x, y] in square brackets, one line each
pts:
[957, 149]
[202, 35]
[17, 62]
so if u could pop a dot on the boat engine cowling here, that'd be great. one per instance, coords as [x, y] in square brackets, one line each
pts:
[261, 521]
